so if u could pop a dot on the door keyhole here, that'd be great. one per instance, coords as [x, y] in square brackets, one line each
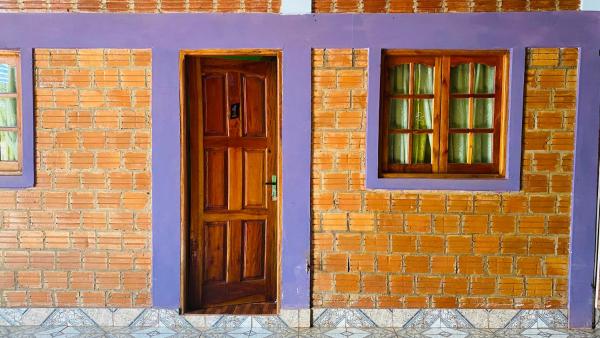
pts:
[235, 111]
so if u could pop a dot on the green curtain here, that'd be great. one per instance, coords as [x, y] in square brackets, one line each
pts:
[400, 79]
[8, 146]
[483, 113]
[8, 112]
[8, 83]
[422, 114]
[398, 148]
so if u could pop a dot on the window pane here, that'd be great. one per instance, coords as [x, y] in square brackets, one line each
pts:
[8, 146]
[400, 79]
[457, 148]
[483, 115]
[8, 112]
[422, 112]
[459, 78]
[482, 148]
[398, 149]
[484, 78]
[423, 79]
[399, 114]
[8, 82]
[421, 148]
[459, 113]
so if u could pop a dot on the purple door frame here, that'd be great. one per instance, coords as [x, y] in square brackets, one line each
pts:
[296, 35]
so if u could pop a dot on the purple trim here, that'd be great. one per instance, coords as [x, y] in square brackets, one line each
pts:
[512, 182]
[27, 176]
[166, 204]
[295, 213]
[585, 190]
[300, 33]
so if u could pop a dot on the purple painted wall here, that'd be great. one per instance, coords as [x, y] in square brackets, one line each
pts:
[296, 35]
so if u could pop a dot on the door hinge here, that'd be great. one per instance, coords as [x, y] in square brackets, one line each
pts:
[308, 267]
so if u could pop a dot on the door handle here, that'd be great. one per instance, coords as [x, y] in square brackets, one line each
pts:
[273, 185]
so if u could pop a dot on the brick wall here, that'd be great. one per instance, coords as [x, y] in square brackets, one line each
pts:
[81, 236]
[374, 248]
[436, 6]
[140, 6]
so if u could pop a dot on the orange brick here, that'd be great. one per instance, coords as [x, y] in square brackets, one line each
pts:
[362, 262]
[499, 265]
[470, 265]
[447, 223]
[429, 285]
[361, 222]
[475, 224]
[542, 245]
[404, 202]
[443, 264]
[374, 284]
[377, 202]
[401, 284]
[503, 224]
[377, 243]
[404, 243]
[416, 264]
[510, 286]
[418, 223]
[431, 244]
[486, 244]
[460, 203]
[389, 263]
[459, 244]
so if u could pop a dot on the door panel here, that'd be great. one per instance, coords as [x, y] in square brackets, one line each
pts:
[214, 176]
[215, 251]
[254, 106]
[214, 93]
[255, 165]
[233, 217]
[253, 247]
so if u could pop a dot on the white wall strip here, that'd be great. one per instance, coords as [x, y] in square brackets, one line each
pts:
[301, 6]
[586, 5]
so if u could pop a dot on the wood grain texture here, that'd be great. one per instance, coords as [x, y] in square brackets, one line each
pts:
[233, 233]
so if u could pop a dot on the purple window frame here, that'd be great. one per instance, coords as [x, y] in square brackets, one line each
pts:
[27, 176]
[510, 182]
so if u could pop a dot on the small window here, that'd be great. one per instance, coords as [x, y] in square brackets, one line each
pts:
[443, 113]
[10, 113]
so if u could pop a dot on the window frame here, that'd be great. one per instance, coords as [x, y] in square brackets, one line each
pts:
[442, 60]
[13, 58]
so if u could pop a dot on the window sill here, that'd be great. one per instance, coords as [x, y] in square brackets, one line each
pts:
[440, 176]
[437, 183]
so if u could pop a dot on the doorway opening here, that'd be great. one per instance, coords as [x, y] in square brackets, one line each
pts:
[230, 176]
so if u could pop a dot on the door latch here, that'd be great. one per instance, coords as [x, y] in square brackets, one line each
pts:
[273, 185]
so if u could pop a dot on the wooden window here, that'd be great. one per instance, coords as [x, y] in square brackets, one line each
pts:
[10, 113]
[443, 113]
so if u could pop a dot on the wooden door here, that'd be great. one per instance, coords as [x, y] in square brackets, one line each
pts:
[233, 163]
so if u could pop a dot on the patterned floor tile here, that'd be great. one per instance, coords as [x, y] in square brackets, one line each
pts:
[342, 318]
[57, 331]
[348, 332]
[255, 332]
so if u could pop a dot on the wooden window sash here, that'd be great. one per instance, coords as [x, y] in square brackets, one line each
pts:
[12, 58]
[387, 96]
[442, 62]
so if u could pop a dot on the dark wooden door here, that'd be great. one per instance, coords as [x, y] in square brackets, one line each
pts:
[233, 163]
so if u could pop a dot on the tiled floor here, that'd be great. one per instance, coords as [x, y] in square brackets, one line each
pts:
[156, 332]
